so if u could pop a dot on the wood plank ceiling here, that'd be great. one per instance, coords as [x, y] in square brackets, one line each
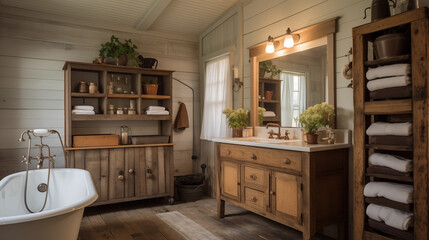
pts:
[181, 17]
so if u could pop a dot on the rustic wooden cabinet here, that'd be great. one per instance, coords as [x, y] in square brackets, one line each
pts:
[120, 172]
[304, 190]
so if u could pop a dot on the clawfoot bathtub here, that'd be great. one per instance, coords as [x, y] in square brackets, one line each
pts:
[69, 192]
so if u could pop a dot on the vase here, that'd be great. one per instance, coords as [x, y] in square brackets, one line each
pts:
[151, 89]
[312, 138]
[109, 60]
[122, 60]
[237, 132]
[268, 95]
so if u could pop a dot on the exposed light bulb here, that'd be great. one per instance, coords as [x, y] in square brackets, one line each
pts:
[270, 47]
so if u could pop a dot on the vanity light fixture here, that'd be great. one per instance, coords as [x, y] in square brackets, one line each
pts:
[290, 39]
[270, 45]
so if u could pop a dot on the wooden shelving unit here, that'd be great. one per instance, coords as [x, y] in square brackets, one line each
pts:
[120, 172]
[274, 104]
[367, 111]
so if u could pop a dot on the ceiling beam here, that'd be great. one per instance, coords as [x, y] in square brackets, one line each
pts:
[155, 10]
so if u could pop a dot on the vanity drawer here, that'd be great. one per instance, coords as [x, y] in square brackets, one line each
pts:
[266, 156]
[255, 176]
[255, 199]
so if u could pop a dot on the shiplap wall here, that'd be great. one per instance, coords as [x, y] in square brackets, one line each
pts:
[32, 54]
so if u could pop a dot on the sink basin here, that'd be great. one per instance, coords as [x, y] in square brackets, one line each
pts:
[267, 140]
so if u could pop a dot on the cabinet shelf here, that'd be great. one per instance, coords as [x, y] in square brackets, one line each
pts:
[121, 146]
[407, 179]
[391, 60]
[269, 101]
[99, 117]
[87, 95]
[402, 106]
[159, 97]
[126, 96]
[389, 147]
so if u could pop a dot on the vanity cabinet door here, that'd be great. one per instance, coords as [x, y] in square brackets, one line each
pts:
[287, 196]
[230, 180]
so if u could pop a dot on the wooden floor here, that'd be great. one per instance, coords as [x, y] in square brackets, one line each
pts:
[137, 220]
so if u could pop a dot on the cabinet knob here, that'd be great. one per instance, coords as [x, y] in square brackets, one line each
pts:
[121, 177]
[272, 193]
[254, 157]
[228, 152]
[238, 183]
[253, 177]
[288, 161]
[131, 171]
[149, 173]
[254, 199]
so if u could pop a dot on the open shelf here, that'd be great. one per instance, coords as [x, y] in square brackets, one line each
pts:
[126, 96]
[389, 147]
[390, 60]
[121, 146]
[407, 179]
[269, 101]
[87, 95]
[402, 106]
[160, 97]
[99, 117]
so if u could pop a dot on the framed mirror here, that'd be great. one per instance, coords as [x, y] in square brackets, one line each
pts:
[305, 75]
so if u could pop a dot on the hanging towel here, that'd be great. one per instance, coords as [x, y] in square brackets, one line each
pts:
[389, 71]
[396, 129]
[269, 114]
[391, 161]
[391, 217]
[390, 82]
[84, 107]
[83, 112]
[150, 108]
[394, 191]
[182, 120]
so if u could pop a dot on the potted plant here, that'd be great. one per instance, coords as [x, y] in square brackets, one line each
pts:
[315, 117]
[261, 115]
[117, 52]
[268, 67]
[150, 85]
[237, 120]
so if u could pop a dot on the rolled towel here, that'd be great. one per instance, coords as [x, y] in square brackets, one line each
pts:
[389, 71]
[382, 83]
[394, 191]
[396, 129]
[150, 108]
[269, 114]
[148, 112]
[391, 217]
[391, 161]
[83, 112]
[84, 107]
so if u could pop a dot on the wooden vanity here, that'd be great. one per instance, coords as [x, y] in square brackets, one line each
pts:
[305, 189]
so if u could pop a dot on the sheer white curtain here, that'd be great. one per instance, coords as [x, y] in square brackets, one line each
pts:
[217, 97]
[293, 97]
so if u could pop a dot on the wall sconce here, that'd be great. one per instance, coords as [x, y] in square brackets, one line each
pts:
[270, 45]
[290, 39]
[237, 83]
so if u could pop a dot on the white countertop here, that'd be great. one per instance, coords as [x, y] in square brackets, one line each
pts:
[293, 145]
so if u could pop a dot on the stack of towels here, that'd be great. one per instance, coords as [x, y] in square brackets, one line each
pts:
[389, 76]
[83, 110]
[397, 163]
[156, 110]
[269, 114]
[402, 193]
[393, 129]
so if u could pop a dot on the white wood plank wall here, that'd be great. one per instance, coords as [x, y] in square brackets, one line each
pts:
[32, 54]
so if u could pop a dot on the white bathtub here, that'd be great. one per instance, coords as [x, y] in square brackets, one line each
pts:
[70, 191]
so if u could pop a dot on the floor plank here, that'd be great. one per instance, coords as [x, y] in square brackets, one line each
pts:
[138, 220]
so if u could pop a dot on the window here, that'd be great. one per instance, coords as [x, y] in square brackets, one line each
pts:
[293, 101]
[217, 97]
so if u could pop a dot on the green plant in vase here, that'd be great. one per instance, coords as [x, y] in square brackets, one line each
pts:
[314, 118]
[261, 115]
[269, 67]
[237, 120]
[119, 52]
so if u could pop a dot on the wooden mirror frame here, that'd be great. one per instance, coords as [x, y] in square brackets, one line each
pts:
[325, 31]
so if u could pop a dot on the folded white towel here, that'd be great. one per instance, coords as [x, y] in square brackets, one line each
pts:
[269, 114]
[394, 191]
[157, 112]
[382, 83]
[389, 71]
[391, 217]
[391, 161]
[84, 107]
[150, 108]
[395, 129]
[83, 112]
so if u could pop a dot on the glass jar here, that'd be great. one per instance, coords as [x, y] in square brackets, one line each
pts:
[83, 87]
[119, 111]
[125, 132]
[93, 88]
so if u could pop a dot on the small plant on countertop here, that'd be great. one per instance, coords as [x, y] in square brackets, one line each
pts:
[316, 117]
[261, 115]
[237, 118]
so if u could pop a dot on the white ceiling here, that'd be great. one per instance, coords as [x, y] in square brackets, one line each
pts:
[179, 17]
